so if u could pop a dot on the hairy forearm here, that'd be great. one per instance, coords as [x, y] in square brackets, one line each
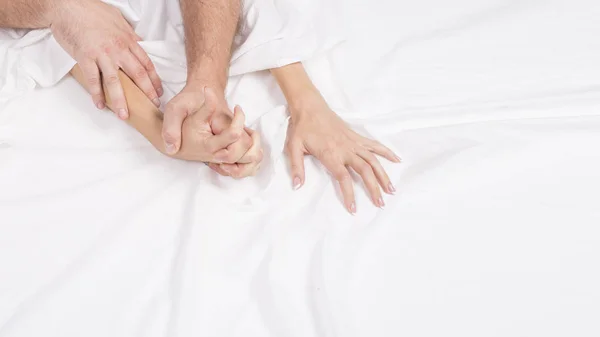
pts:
[30, 14]
[296, 86]
[210, 26]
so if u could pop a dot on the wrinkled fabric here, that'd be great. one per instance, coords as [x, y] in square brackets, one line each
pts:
[493, 106]
[271, 34]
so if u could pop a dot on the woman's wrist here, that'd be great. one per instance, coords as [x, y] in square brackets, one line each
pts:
[305, 102]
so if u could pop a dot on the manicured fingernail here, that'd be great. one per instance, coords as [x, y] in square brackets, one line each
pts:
[170, 148]
[391, 188]
[297, 183]
[353, 208]
[160, 92]
[380, 203]
[156, 102]
[398, 159]
[123, 114]
[100, 105]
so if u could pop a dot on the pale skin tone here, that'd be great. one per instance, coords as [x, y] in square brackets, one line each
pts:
[317, 130]
[197, 122]
[209, 28]
[98, 37]
[198, 142]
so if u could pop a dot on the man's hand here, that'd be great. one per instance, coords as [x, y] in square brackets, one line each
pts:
[98, 37]
[198, 141]
[205, 107]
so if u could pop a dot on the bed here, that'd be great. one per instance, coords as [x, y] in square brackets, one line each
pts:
[494, 231]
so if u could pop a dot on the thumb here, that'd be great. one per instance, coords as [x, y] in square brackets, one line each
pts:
[171, 130]
[296, 155]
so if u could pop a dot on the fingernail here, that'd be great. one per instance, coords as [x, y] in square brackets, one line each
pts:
[398, 159]
[391, 188]
[297, 183]
[100, 105]
[380, 203]
[160, 92]
[170, 148]
[123, 114]
[156, 102]
[353, 208]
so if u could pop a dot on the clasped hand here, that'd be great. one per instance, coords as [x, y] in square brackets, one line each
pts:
[199, 126]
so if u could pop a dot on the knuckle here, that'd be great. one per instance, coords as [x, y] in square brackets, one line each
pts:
[111, 79]
[93, 81]
[139, 73]
[341, 175]
[89, 53]
[327, 152]
[118, 42]
[147, 64]
[364, 167]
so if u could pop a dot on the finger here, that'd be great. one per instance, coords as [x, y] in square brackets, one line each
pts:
[224, 143]
[142, 56]
[173, 119]
[383, 151]
[134, 69]
[254, 157]
[112, 85]
[217, 168]
[229, 135]
[255, 153]
[382, 177]
[296, 154]
[94, 84]
[238, 123]
[239, 171]
[368, 176]
[341, 174]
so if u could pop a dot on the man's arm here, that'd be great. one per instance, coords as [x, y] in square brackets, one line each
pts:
[30, 14]
[209, 26]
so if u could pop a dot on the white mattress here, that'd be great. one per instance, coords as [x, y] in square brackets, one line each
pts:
[493, 106]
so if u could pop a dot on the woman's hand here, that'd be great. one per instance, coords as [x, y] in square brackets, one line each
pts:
[249, 163]
[316, 130]
[197, 141]
[200, 126]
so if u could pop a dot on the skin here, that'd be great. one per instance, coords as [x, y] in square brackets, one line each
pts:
[98, 37]
[316, 130]
[198, 142]
[198, 124]
[210, 26]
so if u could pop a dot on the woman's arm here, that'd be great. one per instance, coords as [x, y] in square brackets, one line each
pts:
[199, 143]
[315, 129]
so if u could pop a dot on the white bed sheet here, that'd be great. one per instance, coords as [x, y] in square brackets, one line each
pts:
[494, 107]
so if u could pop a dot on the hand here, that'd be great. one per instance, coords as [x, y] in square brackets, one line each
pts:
[248, 165]
[189, 115]
[198, 143]
[315, 129]
[98, 37]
